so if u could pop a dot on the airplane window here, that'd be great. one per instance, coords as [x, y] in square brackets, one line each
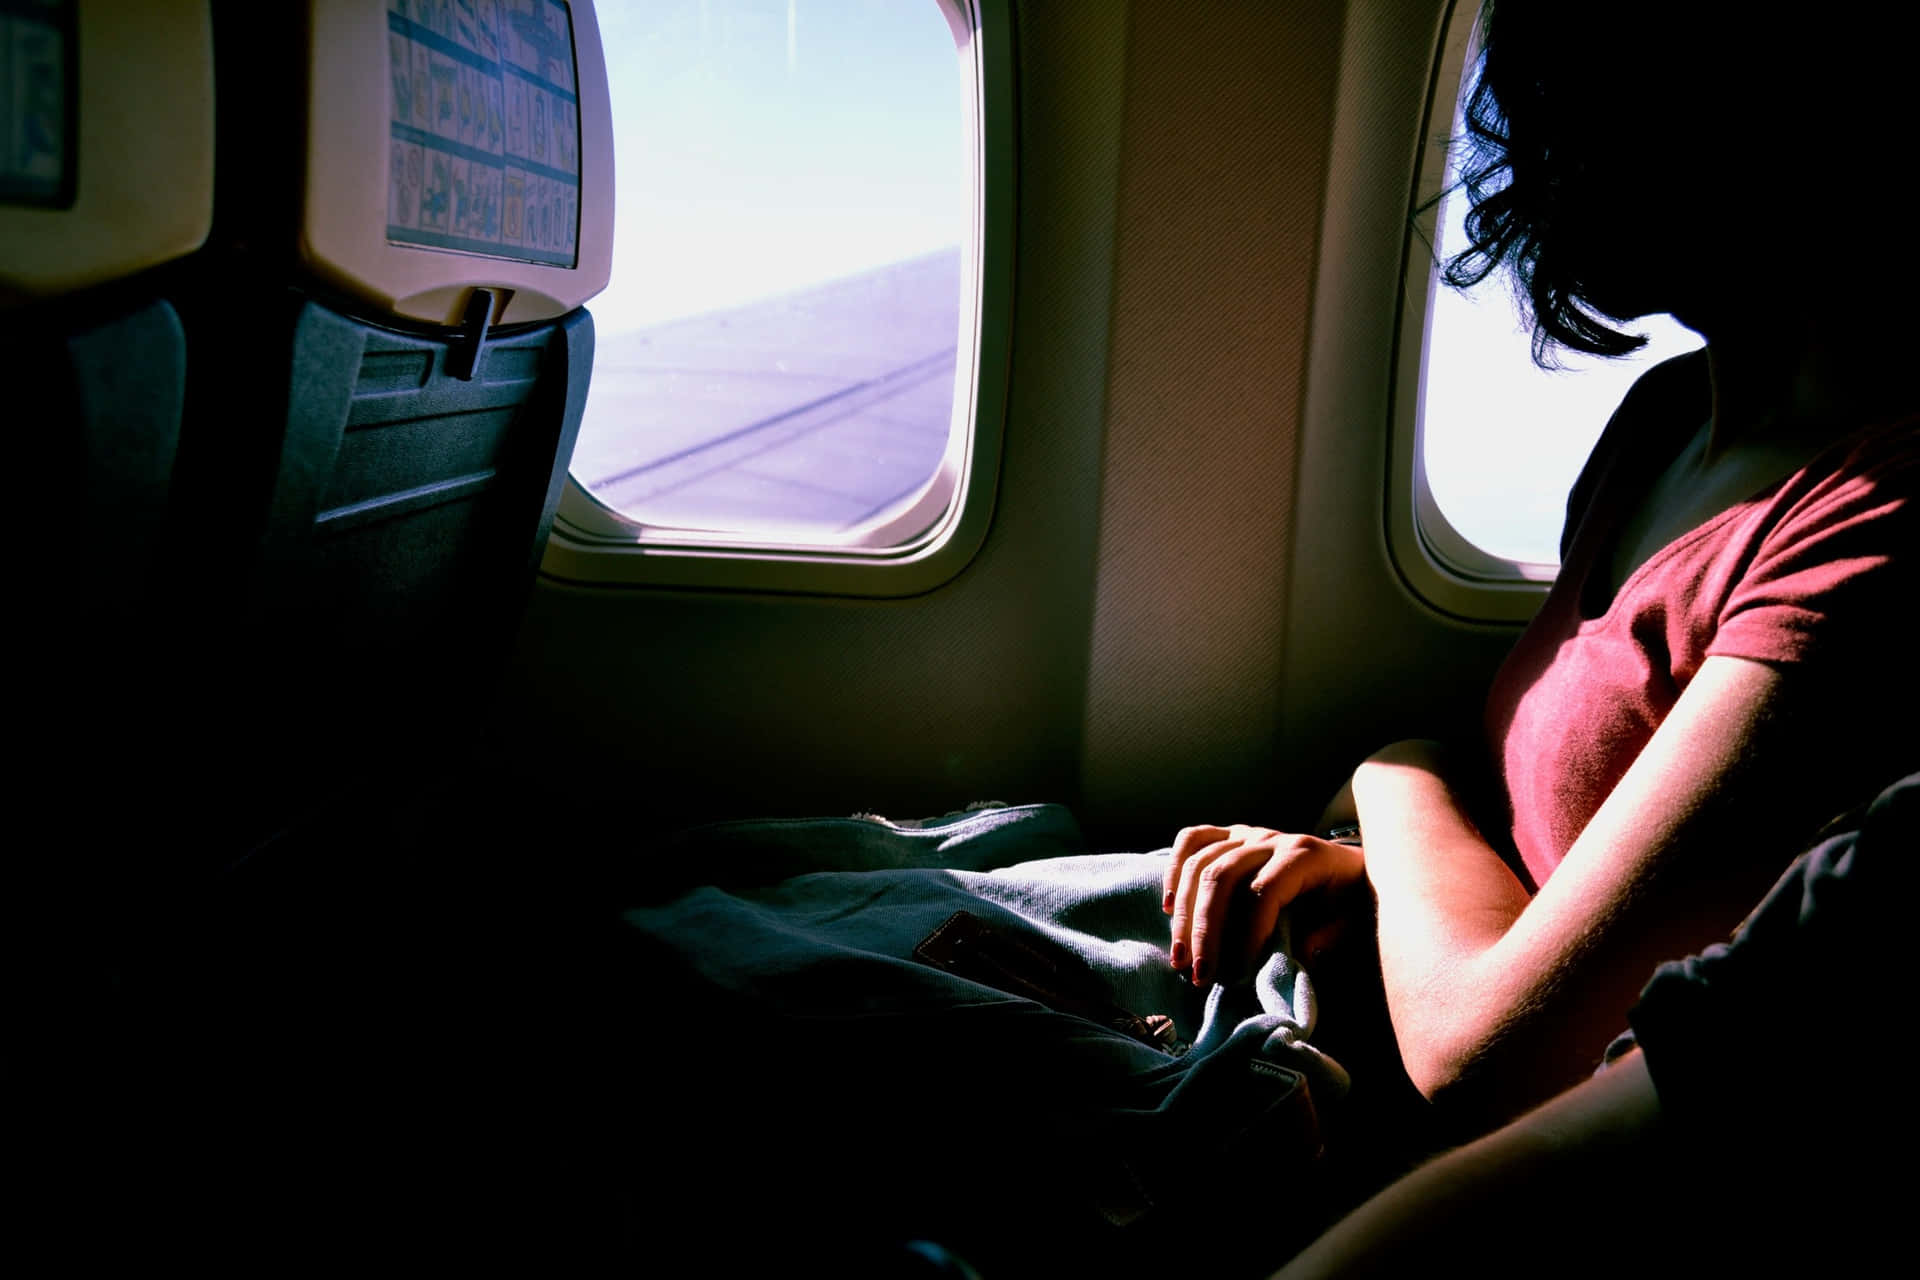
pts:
[781, 351]
[1502, 440]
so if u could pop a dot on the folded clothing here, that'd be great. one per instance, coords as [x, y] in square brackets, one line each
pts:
[821, 1021]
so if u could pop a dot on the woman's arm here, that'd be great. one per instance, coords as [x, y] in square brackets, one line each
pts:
[1499, 1000]
[1501, 1206]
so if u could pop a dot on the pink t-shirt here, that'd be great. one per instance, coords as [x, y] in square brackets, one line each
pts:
[1818, 568]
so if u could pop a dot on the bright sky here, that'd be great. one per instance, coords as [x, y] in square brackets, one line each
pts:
[766, 145]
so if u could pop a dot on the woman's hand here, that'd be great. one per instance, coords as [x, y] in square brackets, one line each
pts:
[1225, 888]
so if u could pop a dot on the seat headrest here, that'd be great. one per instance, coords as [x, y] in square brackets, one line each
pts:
[106, 140]
[454, 147]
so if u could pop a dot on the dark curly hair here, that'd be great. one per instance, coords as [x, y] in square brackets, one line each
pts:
[1763, 122]
[1514, 173]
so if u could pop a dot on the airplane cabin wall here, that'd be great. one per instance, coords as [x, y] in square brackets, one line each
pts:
[1184, 610]
[1367, 660]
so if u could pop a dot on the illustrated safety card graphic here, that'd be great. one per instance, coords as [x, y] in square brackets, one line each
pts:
[485, 137]
[36, 76]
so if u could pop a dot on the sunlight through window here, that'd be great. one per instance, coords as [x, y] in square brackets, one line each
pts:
[777, 351]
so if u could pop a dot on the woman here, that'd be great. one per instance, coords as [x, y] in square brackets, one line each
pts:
[1703, 685]
[1680, 1136]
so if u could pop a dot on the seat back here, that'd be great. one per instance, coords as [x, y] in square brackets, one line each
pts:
[106, 178]
[395, 360]
[106, 193]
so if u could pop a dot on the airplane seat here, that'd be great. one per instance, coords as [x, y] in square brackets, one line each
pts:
[106, 188]
[106, 199]
[386, 362]
[390, 372]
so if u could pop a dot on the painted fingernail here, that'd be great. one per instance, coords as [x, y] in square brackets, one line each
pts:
[1179, 955]
[1202, 972]
[1166, 903]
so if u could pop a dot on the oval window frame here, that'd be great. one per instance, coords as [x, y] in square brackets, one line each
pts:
[929, 537]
